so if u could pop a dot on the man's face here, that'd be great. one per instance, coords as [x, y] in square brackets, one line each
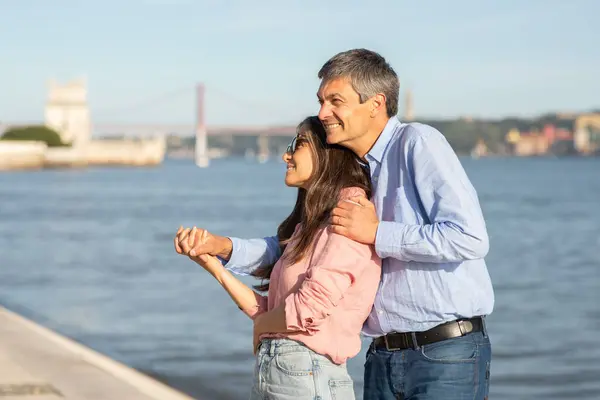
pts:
[342, 114]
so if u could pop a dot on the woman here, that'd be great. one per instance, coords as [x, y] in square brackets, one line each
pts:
[322, 288]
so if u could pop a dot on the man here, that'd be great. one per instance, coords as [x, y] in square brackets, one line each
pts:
[425, 221]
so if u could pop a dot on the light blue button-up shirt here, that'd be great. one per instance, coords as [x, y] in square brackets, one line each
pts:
[431, 236]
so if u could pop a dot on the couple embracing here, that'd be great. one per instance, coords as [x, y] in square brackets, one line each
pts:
[386, 239]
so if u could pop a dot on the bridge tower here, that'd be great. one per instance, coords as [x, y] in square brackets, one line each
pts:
[201, 155]
[409, 111]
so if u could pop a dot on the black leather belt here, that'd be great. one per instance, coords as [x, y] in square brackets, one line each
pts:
[402, 341]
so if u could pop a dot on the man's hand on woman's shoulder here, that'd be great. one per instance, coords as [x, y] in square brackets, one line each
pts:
[356, 219]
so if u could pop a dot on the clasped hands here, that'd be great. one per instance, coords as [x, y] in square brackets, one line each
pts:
[186, 240]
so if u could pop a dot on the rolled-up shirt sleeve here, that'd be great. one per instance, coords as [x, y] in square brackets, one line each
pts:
[335, 268]
[249, 254]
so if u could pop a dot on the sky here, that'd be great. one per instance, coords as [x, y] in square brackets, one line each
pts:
[259, 59]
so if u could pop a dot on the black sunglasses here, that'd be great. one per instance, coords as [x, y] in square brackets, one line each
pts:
[293, 146]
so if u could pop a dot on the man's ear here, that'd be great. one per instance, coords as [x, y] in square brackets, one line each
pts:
[378, 104]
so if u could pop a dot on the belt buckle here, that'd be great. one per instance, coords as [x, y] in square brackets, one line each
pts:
[387, 345]
[465, 327]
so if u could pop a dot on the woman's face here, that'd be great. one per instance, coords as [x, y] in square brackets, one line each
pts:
[299, 160]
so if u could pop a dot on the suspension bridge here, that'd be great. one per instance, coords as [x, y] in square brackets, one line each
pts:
[199, 128]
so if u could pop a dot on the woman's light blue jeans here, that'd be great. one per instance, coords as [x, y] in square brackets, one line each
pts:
[287, 370]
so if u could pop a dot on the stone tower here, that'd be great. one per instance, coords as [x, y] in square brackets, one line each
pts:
[201, 153]
[67, 111]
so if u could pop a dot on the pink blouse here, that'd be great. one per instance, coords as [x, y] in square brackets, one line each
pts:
[328, 294]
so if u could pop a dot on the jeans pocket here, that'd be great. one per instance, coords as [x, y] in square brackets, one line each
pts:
[368, 354]
[459, 350]
[342, 389]
[298, 363]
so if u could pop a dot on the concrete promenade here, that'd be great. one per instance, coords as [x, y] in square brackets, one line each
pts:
[39, 364]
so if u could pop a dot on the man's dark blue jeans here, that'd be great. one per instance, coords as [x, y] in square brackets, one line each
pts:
[451, 369]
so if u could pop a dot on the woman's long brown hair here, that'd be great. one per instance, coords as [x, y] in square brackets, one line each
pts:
[334, 168]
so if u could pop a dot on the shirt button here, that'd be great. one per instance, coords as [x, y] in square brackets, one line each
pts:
[380, 312]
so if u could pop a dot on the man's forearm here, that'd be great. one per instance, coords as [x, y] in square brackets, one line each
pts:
[434, 243]
[226, 247]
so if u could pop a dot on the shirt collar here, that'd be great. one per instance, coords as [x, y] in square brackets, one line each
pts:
[383, 140]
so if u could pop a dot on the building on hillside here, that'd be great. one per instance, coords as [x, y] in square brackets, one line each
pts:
[587, 133]
[557, 134]
[548, 139]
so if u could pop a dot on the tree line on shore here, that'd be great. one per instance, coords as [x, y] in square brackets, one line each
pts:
[38, 133]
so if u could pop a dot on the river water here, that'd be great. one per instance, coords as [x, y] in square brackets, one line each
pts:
[89, 253]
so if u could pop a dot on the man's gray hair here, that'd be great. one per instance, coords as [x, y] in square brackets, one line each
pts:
[369, 74]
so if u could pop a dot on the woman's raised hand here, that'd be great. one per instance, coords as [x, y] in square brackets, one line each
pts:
[193, 238]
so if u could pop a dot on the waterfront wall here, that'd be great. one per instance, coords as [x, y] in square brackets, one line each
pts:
[18, 155]
[21, 154]
[147, 152]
